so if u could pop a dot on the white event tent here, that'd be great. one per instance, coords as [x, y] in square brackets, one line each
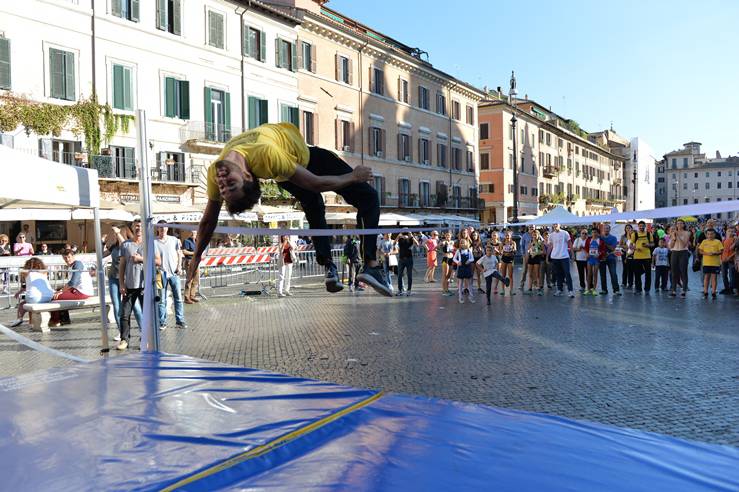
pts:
[558, 215]
[30, 182]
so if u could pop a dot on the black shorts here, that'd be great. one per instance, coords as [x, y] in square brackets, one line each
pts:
[534, 260]
[446, 260]
[711, 269]
[507, 259]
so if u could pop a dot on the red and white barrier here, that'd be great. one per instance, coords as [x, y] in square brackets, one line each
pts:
[235, 260]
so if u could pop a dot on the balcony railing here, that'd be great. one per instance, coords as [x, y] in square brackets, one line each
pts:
[431, 201]
[201, 131]
[550, 171]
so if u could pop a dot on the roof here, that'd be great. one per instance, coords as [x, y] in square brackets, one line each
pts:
[289, 14]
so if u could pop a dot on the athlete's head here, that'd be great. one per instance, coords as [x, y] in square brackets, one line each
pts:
[238, 187]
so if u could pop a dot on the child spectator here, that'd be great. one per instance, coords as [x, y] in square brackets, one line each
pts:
[661, 265]
[711, 249]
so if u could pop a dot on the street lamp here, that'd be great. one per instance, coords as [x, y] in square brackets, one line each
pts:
[633, 189]
[512, 96]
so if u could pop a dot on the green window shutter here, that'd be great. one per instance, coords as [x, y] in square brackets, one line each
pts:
[219, 31]
[293, 56]
[4, 63]
[278, 53]
[253, 112]
[127, 89]
[135, 10]
[118, 87]
[208, 113]
[262, 46]
[170, 102]
[56, 71]
[211, 28]
[176, 16]
[162, 15]
[69, 76]
[284, 113]
[227, 111]
[263, 112]
[115, 7]
[245, 43]
[184, 99]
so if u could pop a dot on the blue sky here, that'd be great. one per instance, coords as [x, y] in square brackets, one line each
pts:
[664, 70]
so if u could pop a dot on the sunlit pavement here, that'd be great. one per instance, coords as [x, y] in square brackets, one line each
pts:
[647, 362]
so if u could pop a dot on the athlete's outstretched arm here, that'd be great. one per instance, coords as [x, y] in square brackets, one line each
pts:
[205, 232]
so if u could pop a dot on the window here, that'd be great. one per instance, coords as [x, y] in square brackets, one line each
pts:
[523, 190]
[122, 88]
[215, 29]
[377, 81]
[169, 16]
[285, 55]
[345, 135]
[61, 68]
[470, 115]
[708, 186]
[379, 183]
[484, 161]
[484, 131]
[176, 98]
[289, 114]
[404, 147]
[549, 139]
[441, 155]
[674, 163]
[308, 52]
[125, 9]
[258, 111]
[456, 158]
[728, 184]
[424, 151]
[510, 161]
[685, 162]
[718, 185]
[377, 141]
[470, 161]
[170, 167]
[456, 197]
[423, 97]
[708, 175]
[456, 110]
[404, 190]
[440, 103]
[217, 115]
[718, 174]
[309, 128]
[403, 90]
[255, 44]
[4, 63]
[124, 162]
[424, 194]
[695, 186]
[343, 69]
[510, 188]
[685, 186]
[62, 151]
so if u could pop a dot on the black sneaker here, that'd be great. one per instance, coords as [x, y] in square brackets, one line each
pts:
[375, 278]
[333, 284]
[507, 281]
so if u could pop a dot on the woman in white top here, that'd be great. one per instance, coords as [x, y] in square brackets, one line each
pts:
[581, 257]
[37, 288]
[679, 256]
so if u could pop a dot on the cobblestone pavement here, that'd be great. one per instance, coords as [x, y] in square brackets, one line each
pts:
[646, 362]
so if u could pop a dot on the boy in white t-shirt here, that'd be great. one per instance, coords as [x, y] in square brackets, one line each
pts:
[661, 264]
[488, 265]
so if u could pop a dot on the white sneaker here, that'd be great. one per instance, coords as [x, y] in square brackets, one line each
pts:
[571, 294]
[117, 338]
[461, 300]
[17, 322]
[472, 300]
[288, 293]
[122, 346]
[558, 293]
[280, 294]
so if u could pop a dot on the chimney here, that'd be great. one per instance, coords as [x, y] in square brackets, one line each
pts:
[718, 155]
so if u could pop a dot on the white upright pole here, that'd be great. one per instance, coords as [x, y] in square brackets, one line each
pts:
[101, 281]
[149, 332]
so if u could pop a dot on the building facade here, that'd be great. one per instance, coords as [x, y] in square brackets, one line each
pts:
[377, 102]
[557, 163]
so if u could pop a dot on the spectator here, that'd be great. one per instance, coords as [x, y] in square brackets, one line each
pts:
[679, 247]
[35, 285]
[112, 247]
[727, 262]
[431, 261]
[581, 257]
[354, 262]
[560, 257]
[188, 252]
[286, 257]
[710, 249]
[535, 254]
[404, 245]
[661, 265]
[78, 288]
[4, 277]
[389, 257]
[525, 241]
[611, 243]
[131, 279]
[21, 247]
[596, 249]
[45, 251]
[643, 245]
[168, 248]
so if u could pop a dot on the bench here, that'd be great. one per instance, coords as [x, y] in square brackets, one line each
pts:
[41, 312]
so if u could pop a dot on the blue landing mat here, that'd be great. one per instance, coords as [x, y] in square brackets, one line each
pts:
[147, 422]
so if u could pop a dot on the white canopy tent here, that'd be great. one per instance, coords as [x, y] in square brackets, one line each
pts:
[558, 215]
[29, 181]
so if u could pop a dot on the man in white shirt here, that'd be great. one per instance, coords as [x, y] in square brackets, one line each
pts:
[560, 242]
[170, 253]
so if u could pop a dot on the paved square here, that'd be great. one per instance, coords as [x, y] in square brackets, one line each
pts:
[646, 362]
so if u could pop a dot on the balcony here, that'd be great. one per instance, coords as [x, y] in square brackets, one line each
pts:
[431, 202]
[112, 168]
[550, 171]
[206, 137]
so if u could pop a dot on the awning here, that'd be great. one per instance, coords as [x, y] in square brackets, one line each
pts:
[24, 214]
